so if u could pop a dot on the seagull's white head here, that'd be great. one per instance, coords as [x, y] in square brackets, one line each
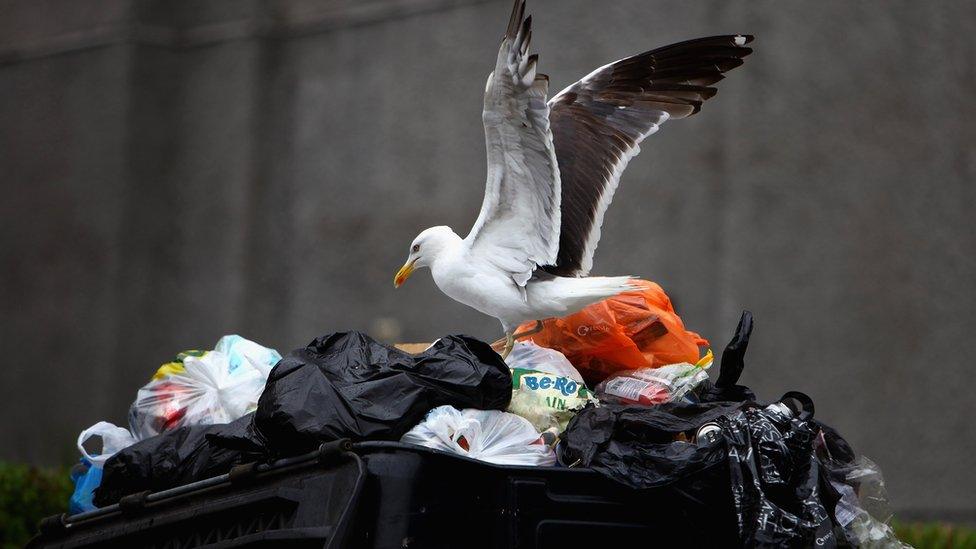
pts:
[425, 249]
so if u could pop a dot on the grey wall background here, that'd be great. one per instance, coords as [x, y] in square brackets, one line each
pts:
[174, 171]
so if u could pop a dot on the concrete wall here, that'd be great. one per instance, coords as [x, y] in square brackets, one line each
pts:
[174, 171]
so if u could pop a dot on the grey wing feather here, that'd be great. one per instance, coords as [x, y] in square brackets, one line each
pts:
[518, 226]
[599, 122]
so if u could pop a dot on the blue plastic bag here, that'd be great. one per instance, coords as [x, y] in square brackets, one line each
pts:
[86, 479]
[89, 476]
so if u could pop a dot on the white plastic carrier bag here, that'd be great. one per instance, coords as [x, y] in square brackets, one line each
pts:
[486, 435]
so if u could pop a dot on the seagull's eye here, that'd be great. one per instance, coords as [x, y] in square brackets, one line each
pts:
[416, 248]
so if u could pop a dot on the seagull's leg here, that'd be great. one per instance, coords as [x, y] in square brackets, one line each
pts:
[509, 344]
[509, 339]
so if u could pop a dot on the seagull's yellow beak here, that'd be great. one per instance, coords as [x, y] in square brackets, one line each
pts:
[403, 273]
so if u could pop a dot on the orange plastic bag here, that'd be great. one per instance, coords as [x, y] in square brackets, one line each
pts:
[633, 330]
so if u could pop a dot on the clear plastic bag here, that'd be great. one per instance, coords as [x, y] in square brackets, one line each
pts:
[529, 356]
[651, 386]
[486, 435]
[546, 389]
[244, 351]
[202, 390]
[113, 439]
[863, 511]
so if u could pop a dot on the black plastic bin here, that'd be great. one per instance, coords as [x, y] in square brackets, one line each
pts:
[389, 495]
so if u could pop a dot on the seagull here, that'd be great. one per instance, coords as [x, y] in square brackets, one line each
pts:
[553, 167]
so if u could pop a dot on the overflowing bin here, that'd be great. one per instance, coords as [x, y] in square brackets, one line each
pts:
[348, 442]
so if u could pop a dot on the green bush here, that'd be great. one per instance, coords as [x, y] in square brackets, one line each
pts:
[935, 535]
[28, 494]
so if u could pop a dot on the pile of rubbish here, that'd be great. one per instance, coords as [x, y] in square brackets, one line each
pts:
[620, 387]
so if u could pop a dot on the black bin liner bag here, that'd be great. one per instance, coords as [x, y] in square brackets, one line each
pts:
[176, 457]
[775, 476]
[346, 385]
[343, 385]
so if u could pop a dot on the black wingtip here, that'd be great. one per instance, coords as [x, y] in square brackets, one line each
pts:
[515, 21]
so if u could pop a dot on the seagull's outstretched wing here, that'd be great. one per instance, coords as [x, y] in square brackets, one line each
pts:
[599, 122]
[518, 227]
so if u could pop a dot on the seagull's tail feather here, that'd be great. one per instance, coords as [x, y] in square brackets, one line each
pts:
[576, 293]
